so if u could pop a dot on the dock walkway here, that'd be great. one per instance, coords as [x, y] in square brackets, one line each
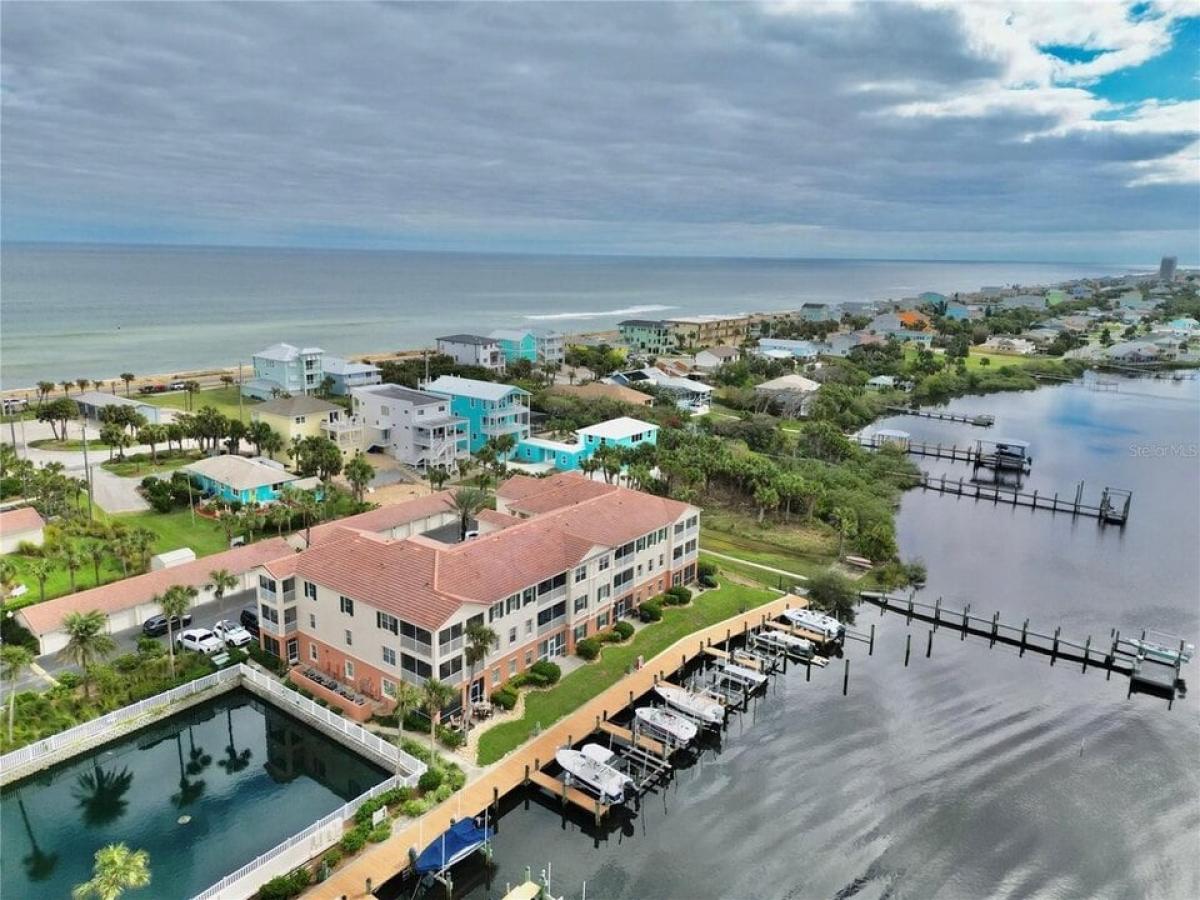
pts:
[377, 863]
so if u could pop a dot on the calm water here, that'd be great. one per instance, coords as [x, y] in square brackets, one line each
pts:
[98, 311]
[247, 775]
[974, 773]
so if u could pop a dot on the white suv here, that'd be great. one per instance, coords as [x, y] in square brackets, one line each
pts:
[232, 634]
[201, 640]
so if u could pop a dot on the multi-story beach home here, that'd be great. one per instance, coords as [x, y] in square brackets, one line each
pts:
[414, 427]
[567, 456]
[490, 409]
[347, 374]
[301, 416]
[559, 559]
[647, 336]
[284, 369]
[473, 350]
[543, 348]
[708, 331]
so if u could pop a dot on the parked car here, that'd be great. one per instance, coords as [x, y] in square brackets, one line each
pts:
[249, 620]
[176, 386]
[232, 634]
[156, 625]
[152, 389]
[201, 640]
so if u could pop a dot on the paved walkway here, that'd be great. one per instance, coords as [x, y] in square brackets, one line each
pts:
[379, 862]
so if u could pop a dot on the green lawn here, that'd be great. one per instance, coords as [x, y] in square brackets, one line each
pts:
[543, 708]
[139, 465]
[58, 583]
[69, 444]
[223, 399]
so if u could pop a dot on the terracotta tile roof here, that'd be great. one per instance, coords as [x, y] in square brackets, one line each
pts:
[24, 519]
[42, 618]
[538, 495]
[496, 520]
[388, 517]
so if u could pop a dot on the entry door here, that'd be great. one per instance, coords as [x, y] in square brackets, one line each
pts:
[477, 691]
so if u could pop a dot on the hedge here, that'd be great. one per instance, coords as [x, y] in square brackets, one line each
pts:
[624, 630]
[650, 611]
[588, 648]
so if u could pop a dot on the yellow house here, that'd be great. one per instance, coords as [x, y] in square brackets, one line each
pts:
[307, 416]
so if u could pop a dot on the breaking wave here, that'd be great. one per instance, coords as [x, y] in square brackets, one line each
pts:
[602, 314]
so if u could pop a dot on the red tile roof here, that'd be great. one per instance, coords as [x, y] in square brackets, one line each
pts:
[496, 520]
[24, 519]
[387, 517]
[532, 496]
[42, 618]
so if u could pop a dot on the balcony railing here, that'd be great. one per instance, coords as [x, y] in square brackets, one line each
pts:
[450, 646]
[552, 625]
[414, 646]
[505, 427]
[279, 629]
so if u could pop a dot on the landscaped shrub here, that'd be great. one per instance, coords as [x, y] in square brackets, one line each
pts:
[450, 738]
[69, 680]
[333, 857]
[431, 780]
[128, 662]
[380, 832]
[415, 721]
[352, 841]
[519, 681]
[544, 673]
[650, 611]
[282, 887]
[623, 630]
[13, 632]
[588, 648]
[266, 660]
[680, 596]
[706, 568]
[414, 807]
[505, 697]
[707, 581]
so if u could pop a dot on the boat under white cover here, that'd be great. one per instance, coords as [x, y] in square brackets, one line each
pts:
[743, 675]
[664, 722]
[691, 704]
[811, 620]
[793, 644]
[585, 768]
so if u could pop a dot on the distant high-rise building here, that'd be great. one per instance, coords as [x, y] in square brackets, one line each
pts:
[1166, 268]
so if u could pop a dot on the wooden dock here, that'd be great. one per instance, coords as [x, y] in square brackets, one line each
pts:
[568, 794]
[627, 738]
[813, 636]
[1111, 654]
[982, 420]
[378, 863]
[736, 659]
[976, 457]
[1113, 508]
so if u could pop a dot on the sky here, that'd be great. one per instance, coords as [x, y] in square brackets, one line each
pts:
[927, 130]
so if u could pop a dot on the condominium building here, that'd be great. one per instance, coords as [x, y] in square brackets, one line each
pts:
[284, 369]
[560, 559]
[543, 348]
[490, 409]
[708, 331]
[647, 336]
[414, 427]
[473, 350]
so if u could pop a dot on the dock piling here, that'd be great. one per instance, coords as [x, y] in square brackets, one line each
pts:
[907, 647]
[1087, 651]
[846, 677]
[929, 645]
[1024, 632]
[962, 635]
[1054, 647]
[995, 628]
[871, 644]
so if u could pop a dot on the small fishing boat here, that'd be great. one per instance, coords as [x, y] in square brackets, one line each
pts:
[1163, 653]
[667, 724]
[696, 706]
[741, 675]
[461, 840]
[789, 643]
[589, 767]
[811, 620]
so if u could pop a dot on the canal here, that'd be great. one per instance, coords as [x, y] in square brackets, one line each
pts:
[974, 772]
[204, 792]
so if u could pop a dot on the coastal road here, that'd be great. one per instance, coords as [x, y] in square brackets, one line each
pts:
[204, 615]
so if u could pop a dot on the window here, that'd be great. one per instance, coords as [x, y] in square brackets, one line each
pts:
[529, 626]
[581, 603]
[349, 668]
[347, 606]
[289, 585]
[313, 652]
[602, 620]
[512, 666]
[310, 590]
[677, 553]
[293, 650]
[679, 526]
[388, 687]
[450, 668]
[690, 546]
[420, 635]
[580, 632]
[623, 551]
[550, 613]
[662, 534]
[513, 603]
[641, 544]
[446, 635]
[266, 584]
[581, 574]
[349, 638]
[299, 420]
[387, 622]
[603, 593]
[693, 522]
[528, 596]
[289, 616]
[512, 635]
[603, 564]
[417, 667]
[269, 613]
[495, 611]
[552, 584]
[389, 656]
[528, 658]
[495, 677]
[622, 578]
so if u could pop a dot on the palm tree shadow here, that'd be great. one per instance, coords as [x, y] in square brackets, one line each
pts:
[38, 865]
[101, 794]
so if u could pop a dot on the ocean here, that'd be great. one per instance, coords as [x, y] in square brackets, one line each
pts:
[95, 311]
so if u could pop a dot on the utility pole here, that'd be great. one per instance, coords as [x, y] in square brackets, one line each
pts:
[87, 470]
[241, 415]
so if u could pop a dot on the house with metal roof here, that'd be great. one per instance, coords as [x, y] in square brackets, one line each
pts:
[543, 348]
[415, 427]
[285, 369]
[473, 350]
[490, 409]
[237, 478]
[347, 374]
[692, 396]
[93, 403]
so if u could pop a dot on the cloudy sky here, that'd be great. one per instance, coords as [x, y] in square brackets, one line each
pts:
[1044, 131]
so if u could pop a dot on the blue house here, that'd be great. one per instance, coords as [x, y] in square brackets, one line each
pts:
[490, 409]
[797, 349]
[236, 478]
[958, 312]
[567, 456]
[541, 348]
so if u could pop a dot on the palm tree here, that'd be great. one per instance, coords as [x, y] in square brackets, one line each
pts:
[272, 443]
[464, 467]
[437, 695]
[41, 569]
[467, 501]
[229, 521]
[67, 384]
[847, 524]
[44, 388]
[359, 473]
[279, 516]
[407, 698]
[222, 582]
[101, 794]
[480, 640]
[83, 383]
[8, 578]
[175, 602]
[305, 505]
[153, 435]
[95, 551]
[116, 870]
[127, 377]
[14, 660]
[72, 560]
[87, 641]
[437, 476]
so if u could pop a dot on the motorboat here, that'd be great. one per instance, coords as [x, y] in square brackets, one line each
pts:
[589, 767]
[1162, 653]
[667, 724]
[747, 678]
[457, 843]
[811, 620]
[693, 705]
[792, 644]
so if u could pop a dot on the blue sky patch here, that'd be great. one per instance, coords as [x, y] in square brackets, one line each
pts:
[1173, 75]
[1071, 54]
